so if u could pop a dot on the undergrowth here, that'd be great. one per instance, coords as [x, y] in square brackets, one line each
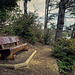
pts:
[64, 51]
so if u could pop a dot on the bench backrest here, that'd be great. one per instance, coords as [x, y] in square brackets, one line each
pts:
[8, 39]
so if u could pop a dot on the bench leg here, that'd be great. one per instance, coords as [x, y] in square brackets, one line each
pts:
[11, 57]
[0, 56]
[25, 49]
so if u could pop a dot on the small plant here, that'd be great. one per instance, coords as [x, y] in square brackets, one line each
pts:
[64, 51]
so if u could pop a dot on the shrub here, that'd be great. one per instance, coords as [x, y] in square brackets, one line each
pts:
[7, 29]
[22, 28]
[64, 51]
[49, 36]
[38, 32]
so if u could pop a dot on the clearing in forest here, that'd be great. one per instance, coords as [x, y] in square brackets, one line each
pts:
[41, 64]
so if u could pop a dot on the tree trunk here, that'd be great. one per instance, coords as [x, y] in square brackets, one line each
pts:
[25, 6]
[60, 22]
[73, 32]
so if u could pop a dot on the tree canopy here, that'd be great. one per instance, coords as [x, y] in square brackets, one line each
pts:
[7, 4]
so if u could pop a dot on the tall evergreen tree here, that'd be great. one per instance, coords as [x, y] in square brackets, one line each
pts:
[73, 32]
[61, 14]
[63, 5]
[72, 10]
[25, 6]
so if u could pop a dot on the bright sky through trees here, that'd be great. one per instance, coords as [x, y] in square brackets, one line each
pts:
[39, 6]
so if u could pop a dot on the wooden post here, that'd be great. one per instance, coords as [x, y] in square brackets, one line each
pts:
[11, 57]
[1, 47]
[16, 43]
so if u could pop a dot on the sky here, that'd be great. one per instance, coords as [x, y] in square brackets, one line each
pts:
[39, 6]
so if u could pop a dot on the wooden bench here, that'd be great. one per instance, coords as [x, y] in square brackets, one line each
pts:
[8, 52]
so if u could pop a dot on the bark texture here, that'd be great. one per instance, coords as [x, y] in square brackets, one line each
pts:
[61, 14]
[25, 6]
[73, 32]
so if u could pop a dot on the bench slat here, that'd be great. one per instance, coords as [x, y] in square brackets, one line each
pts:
[10, 51]
[13, 39]
[8, 39]
[4, 40]
[17, 48]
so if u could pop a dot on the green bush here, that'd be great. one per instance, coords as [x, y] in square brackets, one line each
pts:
[7, 29]
[38, 32]
[46, 39]
[49, 36]
[64, 51]
[22, 28]
[26, 27]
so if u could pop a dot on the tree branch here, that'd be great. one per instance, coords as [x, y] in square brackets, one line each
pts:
[65, 2]
[71, 5]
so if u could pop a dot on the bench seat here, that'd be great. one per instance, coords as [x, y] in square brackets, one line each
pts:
[8, 52]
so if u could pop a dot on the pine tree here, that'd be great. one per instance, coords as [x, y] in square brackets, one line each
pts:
[25, 6]
[63, 5]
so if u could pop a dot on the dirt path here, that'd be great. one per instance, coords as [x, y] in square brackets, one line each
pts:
[41, 64]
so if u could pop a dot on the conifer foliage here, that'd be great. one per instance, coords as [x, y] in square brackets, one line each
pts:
[7, 4]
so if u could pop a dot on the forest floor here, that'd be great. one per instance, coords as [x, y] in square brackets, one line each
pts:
[41, 64]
